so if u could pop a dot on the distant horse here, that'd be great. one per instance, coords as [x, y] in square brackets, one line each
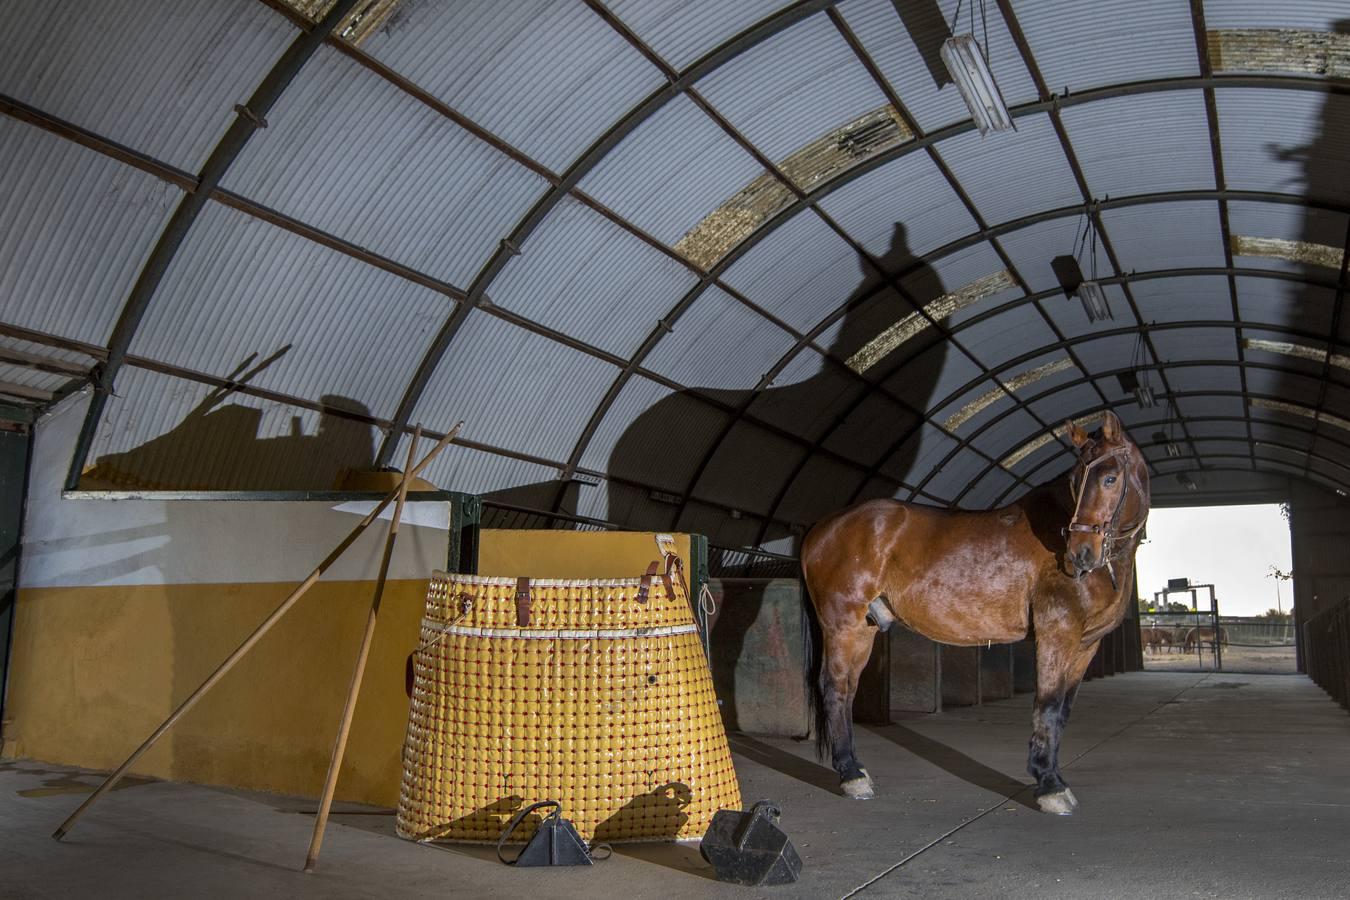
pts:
[1204, 634]
[1062, 556]
[1155, 638]
[1179, 637]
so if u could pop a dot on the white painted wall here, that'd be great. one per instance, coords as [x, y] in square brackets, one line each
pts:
[71, 542]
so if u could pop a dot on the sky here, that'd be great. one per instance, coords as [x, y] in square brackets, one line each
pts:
[1231, 547]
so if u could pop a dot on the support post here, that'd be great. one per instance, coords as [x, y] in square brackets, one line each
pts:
[354, 692]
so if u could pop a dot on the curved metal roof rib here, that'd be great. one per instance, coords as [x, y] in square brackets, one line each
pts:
[678, 263]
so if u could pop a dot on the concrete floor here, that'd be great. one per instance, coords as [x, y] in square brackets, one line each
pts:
[1191, 785]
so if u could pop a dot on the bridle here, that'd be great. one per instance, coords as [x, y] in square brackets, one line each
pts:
[1114, 538]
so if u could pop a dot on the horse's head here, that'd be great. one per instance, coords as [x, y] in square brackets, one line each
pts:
[1110, 492]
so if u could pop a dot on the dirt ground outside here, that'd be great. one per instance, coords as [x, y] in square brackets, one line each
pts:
[1243, 660]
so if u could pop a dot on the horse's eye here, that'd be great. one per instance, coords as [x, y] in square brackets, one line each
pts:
[1109, 480]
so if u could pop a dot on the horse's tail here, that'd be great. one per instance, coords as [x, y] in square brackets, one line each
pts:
[820, 722]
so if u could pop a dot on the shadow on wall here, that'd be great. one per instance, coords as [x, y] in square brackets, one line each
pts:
[651, 445]
[1312, 307]
[216, 447]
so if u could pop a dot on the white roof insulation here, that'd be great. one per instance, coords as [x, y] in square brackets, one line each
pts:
[732, 262]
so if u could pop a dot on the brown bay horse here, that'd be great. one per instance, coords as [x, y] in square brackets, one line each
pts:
[1060, 558]
[1154, 638]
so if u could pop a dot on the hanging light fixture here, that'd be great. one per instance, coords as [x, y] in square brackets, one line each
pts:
[1139, 377]
[1173, 421]
[968, 65]
[1069, 273]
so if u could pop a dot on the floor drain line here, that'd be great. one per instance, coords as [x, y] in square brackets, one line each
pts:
[973, 819]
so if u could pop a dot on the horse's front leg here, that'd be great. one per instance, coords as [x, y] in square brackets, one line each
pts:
[846, 653]
[1060, 667]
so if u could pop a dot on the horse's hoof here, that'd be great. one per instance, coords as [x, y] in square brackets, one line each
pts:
[1060, 803]
[859, 788]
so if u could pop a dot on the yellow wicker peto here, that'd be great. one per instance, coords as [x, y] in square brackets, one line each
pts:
[594, 693]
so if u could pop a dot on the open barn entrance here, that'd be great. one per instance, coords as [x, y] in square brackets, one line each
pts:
[1215, 590]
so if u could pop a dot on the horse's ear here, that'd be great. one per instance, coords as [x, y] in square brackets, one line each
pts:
[1076, 434]
[1111, 428]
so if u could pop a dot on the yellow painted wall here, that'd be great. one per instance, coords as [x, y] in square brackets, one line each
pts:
[571, 554]
[95, 669]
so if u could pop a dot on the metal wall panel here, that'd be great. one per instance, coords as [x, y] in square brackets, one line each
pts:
[792, 88]
[1030, 466]
[1143, 144]
[919, 455]
[893, 33]
[672, 171]
[159, 432]
[1033, 157]
[585, 276]
[1313, 15]
[1307, 307]
[1004, 337]
[552, 389]
[1291, 142]
[239, 286]
[932, 376]
[653, 435]
[1068, 403]
[1217, 429]
[23, 376]
[1336, 452]
[870, 429]
[1085, 45]
[1010, 433]
[474, 471]
[1204, 378]
[822, 487]
[1195, 343]
[908, 193]
[953, 477]
[351, 154]
[1289, 386]
[75, 229]
[682, 31]
[547, 77]
[827, 387]
[1192, 407]
[1164, 236]
[1224, 448]
[162, 78]
[749, 469]
[983, 495]
[1110, 353]
[800, 272]
[1182, 299]
[719, 342]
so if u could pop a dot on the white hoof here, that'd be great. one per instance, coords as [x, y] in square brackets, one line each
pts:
[1060, 803]
[859, 788]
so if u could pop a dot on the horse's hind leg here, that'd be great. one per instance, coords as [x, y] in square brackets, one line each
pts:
[1060, 665]
[846, 653]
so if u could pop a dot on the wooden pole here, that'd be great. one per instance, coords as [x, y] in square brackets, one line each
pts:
[349, 710]
[249, 641]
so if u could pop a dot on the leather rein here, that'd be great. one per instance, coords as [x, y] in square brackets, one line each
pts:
[1113, 536]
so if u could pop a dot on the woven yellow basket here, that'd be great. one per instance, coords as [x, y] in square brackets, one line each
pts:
[594, 693]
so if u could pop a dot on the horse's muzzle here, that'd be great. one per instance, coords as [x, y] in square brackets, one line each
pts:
[1081, 561]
